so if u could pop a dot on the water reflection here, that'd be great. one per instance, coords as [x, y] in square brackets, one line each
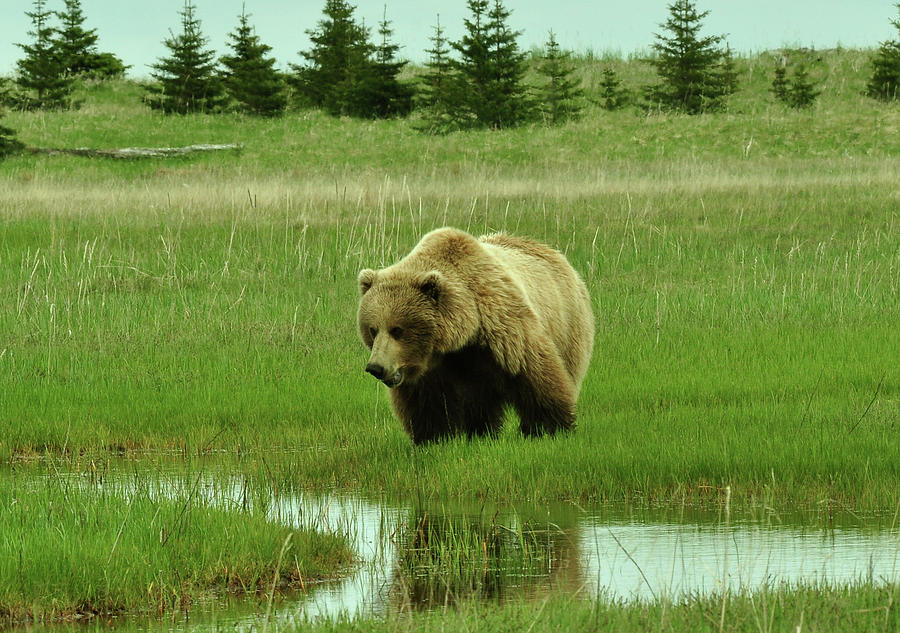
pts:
[434, 556]
[628, 561]
[442, 559]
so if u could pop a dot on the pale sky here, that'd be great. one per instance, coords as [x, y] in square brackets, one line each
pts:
[134, 29]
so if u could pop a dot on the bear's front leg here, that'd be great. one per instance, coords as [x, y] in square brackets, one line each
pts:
[426, 414]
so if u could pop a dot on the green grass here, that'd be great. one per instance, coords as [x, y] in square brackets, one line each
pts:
[443, 559]
[85, 545]
[745, 304]
[745, 293]
[744, 269]
[814, 609]
[771, 609]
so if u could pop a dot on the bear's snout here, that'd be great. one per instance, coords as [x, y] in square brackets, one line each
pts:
[376, 370]
[391, 380]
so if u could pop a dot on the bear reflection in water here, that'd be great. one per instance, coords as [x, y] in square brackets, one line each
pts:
[461, 328]
[445, 559]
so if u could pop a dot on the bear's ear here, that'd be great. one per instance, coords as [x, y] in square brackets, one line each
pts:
[366, 278]
[432, 285]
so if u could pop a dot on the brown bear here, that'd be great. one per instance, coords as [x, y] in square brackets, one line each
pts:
[462, 327]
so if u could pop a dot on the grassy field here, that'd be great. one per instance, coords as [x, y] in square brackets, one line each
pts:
[769, 610]
[815, 609]
[744, 269]
[81, 545]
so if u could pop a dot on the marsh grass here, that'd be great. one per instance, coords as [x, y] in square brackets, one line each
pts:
[819, 608]
[445, 559]
[770, 609]
[82, 544]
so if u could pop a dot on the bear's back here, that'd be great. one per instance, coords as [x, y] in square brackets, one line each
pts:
[555, 292]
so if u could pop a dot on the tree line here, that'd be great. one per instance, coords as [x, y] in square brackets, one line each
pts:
[476, 81]
[56, 57]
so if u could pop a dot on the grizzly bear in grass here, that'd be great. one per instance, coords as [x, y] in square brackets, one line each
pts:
[462, 327]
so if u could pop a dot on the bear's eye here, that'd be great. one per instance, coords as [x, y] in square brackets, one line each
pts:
[373, 332]
[396, 332]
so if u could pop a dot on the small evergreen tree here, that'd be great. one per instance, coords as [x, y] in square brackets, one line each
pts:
[187, 80]
[612, 95]
[696, 74]
[801, 93]
[725, 74]
[438, 93]
[346, 73]
[40, 73]
[780, 83]
[338, 60]
[9, 144]
[798, 91]
[491, 69]
[5, 93]
[74, 44]
[885, 81]
[560, 98]
[472, 70]
[107, 66]
[77, 47]
[511, 105]
[250, 77]
[382, 94]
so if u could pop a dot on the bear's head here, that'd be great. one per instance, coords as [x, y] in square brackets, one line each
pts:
[409, 319]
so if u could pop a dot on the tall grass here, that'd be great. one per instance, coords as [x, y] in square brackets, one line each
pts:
[444, 559]
[770, 609]
[79, 545]
[744, 269]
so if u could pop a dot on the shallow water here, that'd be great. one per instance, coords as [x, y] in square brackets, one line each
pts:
[603, 555]
[646, 561]
[429, 557]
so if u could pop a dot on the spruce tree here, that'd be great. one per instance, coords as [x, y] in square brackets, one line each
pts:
[9, 144]
[74, 44]
[187, 80]
[801, 93]
[885, 81]
[697, 75]
[40, 73]
[612, 95]
[798, 91]
[725, 74]
[438, 93]
[337, 62]
[511, 104]
[5, 92]
[780, 83]
[77, 47]
[472, 69]
[381, 93]
[491, 69]
[560, 97]
[250, 77]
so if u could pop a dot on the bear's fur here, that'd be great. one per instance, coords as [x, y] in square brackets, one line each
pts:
[461, 327]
